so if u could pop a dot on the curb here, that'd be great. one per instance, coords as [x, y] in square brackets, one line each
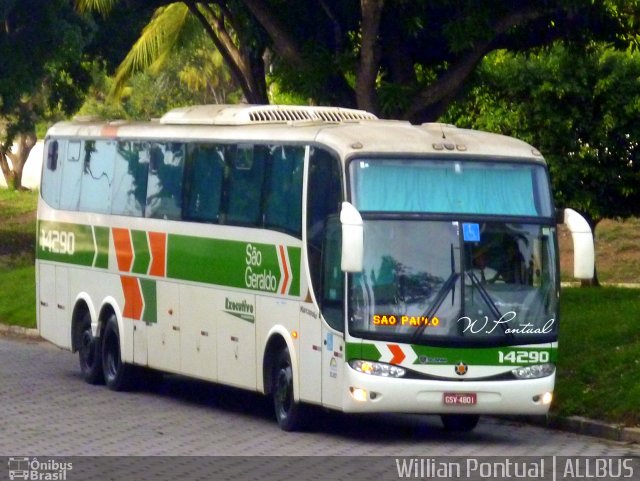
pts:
[19, 331]
[584, 426]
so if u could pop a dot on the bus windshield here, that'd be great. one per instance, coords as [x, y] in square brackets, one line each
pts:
[432, 276]
[461, 187]
[455, 283]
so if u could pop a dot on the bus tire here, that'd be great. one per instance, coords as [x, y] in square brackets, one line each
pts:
[460, 423]
[89, 352]
[118, 376]
[289, 414]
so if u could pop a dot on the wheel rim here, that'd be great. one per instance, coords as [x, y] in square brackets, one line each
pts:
[112, 360]
[284, 391]
[87, 354]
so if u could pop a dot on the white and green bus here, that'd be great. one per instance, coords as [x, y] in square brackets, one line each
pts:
[317, 255]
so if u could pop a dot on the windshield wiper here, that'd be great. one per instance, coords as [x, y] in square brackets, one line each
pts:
[488, 301]
[448, 286]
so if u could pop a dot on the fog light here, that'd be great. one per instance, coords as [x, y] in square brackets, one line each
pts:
[358, 394]
[547, 397]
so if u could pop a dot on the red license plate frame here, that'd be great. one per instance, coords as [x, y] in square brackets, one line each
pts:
[460, 398]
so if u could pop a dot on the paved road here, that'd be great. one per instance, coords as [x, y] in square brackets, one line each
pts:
[46, 409]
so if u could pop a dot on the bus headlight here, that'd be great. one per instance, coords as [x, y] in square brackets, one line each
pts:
[377, 368]
[535, 371]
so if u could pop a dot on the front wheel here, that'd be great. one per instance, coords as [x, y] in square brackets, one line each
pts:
[89, 353]
[289, 414]
[462, 423]
[117, 375]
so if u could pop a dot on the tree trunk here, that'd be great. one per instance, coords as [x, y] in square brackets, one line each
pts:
[23, 144]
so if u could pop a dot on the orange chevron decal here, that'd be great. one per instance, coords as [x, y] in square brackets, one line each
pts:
[158, 246]
[286, 270]
[132, 297]
[124, 250]
[398, 354]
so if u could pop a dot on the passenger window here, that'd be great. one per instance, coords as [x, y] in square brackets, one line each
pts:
[51, 174]
[246, 178]
[164, 187]
[206, 169]
[97, 174]
[130, 180]
[283, 198]
[71, 176]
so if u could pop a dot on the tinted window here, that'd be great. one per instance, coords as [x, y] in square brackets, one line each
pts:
[164, 188]
[71, 176]
[246, 177]
[52, 173]
[130, 179]
[283, 197]
[205, 178]
[97, 175]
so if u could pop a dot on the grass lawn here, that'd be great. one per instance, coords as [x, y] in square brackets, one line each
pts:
[599, 330]
[599, 354]
[17, 250]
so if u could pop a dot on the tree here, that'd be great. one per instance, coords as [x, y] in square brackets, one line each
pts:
[192, 74]
[580, 108]
[41, 74]
[401, 58]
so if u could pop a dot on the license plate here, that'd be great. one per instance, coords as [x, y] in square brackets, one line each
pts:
[460, 398]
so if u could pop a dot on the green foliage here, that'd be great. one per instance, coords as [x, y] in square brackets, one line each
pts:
[580, 108]
[193, 74]
[422, 51]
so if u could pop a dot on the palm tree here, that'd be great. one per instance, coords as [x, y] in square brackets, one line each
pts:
[178, 24]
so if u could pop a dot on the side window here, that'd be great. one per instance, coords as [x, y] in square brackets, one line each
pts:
[164, 187]
[204, 178]
[71, 176]
[97, 175]
[130, 179]
[246, 178]
[283, 196]
[332, 299]
[52, 173]
[324, 195]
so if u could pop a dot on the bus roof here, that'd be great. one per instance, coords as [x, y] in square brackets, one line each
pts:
[347, 131]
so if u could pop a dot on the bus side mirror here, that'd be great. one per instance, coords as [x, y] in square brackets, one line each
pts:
[583, 251]
[352, 239]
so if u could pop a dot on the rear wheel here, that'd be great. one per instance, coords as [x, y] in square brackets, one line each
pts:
[462, 423]
[89, 353]
[289, 414]
[118, 376]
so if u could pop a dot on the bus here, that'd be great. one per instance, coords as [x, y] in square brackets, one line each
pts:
[320, 256]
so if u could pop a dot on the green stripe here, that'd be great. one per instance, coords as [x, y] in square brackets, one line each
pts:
[102, 241]
[245, 265]
[488, 356]
[295, 254]
[149, 295]
[63, 242]
[142, 256]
